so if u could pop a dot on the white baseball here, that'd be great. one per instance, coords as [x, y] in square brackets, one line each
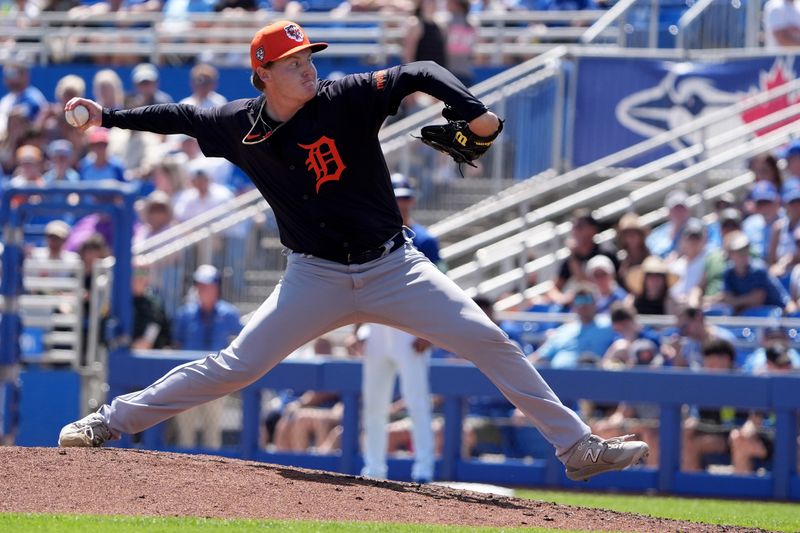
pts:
[78, 116]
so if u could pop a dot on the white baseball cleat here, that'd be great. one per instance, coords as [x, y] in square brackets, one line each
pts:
[89, 432]
[594, 455]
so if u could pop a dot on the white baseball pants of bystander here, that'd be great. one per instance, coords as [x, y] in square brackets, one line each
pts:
[387, 353]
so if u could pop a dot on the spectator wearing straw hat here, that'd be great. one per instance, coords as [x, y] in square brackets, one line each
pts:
[649, 284]
[55, 233]
[631, 246]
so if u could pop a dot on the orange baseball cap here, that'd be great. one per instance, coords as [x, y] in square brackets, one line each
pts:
[278, 40]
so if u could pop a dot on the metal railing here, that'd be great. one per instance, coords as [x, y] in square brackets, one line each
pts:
[533, 84]
[163, 38]
[512, 279]
[706, 24]
[520, 197]
[718, 24]
[52, 312]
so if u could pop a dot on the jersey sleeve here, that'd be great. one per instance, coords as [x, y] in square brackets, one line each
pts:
[206, 125]
[384, 90]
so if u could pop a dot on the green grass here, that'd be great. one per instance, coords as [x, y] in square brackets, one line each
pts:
[40, 523]
[772, 516]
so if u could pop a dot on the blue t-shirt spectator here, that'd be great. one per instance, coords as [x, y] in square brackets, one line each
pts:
[756, 277]
[426, 243]
[564, 348]
[194, 329]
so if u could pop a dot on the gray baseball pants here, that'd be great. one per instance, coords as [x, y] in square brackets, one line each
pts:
[402, 289]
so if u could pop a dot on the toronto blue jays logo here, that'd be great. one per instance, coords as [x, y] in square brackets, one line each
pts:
[681, 97]
[294, 32]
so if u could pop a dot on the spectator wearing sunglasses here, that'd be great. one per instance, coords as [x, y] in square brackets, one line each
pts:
[583, 340]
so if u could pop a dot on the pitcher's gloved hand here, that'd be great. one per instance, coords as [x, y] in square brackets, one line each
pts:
[456, 139]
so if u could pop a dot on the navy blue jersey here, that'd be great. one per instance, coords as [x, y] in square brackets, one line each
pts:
[322, 171]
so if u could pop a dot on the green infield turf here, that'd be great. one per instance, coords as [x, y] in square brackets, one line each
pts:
[39, 523]
[772, 516]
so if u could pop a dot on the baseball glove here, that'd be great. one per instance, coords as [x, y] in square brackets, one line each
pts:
[456, 139]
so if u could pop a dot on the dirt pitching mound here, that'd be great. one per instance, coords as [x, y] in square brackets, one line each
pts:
[112, 481]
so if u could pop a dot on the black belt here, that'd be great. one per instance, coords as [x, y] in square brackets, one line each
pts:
[357, 258]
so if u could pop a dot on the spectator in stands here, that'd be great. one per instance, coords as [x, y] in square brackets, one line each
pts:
[708, 292]
[755, 439]
[792, 157]
[235, 6]
[146, 91]
[782, 249]
[781, 23]
[21, 97]
[169, 177]
[462, 37]
[218, 169]
[203, 80]
[631, 247]
[758, 362]
[156, 216]
[92, 249]
[52, 119]
[289, 9]
[649, 284]
[759, 226]
[312, 420]
[626, 325]
[765, 168]
[601, 272]
[746, 282]
[582, 248]
[203, 195]
[207, 323]
[684, 346]
[151, 326]
[423, 41]
[665, 238]
[17, 134]
[61, 156]
[706, 430]
[714, 228]
[584, 340]
[688, 262]
[97, 164]
[86, 226]
[107, 89]
[29, 167]
[55, 233]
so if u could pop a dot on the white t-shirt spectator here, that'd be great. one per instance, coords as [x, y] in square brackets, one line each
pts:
[190, 203]
[779, 15]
